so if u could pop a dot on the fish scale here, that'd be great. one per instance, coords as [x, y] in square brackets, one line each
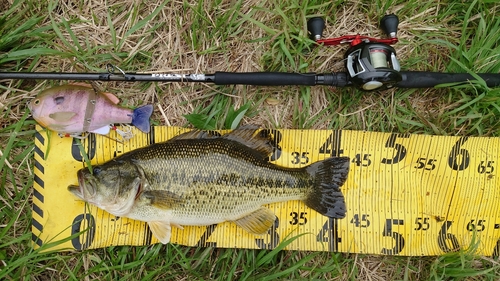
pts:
[198, 183]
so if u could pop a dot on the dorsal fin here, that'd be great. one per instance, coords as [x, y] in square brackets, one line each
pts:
[111, 97]
[82, 84]
[249, 136]
[195, 134]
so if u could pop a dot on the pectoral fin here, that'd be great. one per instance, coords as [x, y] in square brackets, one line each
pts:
[161, 230]
[162, 199]
[257, 222]
[62, 116]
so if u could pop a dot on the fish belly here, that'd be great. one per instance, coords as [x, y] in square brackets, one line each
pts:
[224, 205]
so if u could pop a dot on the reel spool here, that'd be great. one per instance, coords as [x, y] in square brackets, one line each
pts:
[372, 66]
[371, 63]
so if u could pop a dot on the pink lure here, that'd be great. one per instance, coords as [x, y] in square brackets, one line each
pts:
[76, 109]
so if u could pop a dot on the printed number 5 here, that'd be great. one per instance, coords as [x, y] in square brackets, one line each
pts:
[400, 149]
[400, 241]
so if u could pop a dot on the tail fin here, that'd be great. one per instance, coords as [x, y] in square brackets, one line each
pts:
[329, 175]
[140, 118]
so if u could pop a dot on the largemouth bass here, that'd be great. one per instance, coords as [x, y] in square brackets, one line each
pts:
[200, 179]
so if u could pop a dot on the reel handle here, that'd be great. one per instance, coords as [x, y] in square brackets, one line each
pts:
[389, 24]
[315, 26]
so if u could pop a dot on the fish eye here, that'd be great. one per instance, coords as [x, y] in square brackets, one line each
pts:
[96, 171]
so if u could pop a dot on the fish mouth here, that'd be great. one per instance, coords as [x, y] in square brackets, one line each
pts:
[78, 189]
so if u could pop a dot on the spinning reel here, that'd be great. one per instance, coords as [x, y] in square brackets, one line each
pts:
[371, 63]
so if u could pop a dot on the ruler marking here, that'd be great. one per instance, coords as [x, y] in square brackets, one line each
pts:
[457, 152]
[477, 222]
[336, 151]
[442, 196]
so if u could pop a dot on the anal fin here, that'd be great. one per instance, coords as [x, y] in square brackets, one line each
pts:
[257, 222]
[161, 230]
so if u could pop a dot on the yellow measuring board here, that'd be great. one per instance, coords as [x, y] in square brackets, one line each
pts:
[406, 195]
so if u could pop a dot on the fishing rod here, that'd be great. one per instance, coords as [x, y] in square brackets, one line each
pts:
[371, 64]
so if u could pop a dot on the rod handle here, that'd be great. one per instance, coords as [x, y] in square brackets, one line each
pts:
[424, 79]
[264, 78]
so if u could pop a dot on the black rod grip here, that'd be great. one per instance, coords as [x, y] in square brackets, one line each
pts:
[423, 79]
[264, 78]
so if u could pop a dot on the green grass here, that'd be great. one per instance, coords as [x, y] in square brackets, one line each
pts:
[209, 36]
